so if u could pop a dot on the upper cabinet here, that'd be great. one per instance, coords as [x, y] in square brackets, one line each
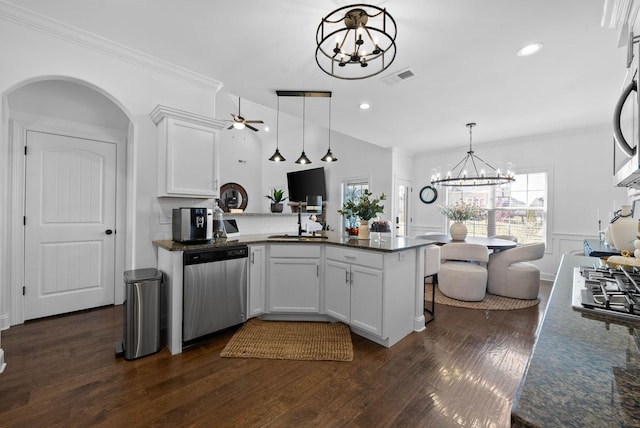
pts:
[187, 153]
[623, 16]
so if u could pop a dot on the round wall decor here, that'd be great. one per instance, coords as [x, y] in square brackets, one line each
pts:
[233, 196]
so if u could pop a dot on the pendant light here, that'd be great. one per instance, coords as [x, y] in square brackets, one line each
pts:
[277, 157]
[303, 159]
[329, 157]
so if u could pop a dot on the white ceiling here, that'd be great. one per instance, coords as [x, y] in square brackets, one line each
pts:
[463, 53]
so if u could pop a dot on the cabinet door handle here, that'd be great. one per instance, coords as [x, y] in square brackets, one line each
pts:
[253, 258]
[351, 277]
[318, 270]
[346, 277]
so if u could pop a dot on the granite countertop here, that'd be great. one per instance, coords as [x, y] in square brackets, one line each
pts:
[386, 244]
[584, 371]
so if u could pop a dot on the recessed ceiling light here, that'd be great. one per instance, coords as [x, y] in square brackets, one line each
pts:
[364, 106]
[266, 129]
[529, 49]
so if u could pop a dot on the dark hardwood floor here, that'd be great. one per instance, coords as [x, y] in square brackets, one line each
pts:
[463, 370]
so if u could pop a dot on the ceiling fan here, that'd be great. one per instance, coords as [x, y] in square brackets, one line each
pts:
[240, 122]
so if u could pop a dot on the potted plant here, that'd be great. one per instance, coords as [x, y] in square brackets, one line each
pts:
[365, 208]
[458, 212]
[276, 197]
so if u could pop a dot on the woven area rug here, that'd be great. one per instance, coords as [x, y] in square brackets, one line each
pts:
[491, 301]
[291, 340]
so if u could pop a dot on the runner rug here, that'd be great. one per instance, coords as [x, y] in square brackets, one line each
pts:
[291, 340]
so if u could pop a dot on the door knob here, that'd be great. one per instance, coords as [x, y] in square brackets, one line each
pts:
[108, 231]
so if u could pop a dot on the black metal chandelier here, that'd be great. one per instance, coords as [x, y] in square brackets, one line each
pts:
[461, 177]
[356, 42]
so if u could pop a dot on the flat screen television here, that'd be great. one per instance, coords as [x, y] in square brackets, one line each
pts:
[307, 182]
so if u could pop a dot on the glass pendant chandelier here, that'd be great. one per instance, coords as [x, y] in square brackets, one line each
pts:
[466, 173]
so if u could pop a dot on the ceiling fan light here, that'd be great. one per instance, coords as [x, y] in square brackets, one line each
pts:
[238, 125]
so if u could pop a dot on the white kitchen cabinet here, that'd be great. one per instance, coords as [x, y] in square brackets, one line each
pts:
[353, 293]
[374, 292]
[256, 297]
[337, 290]
[366, 299]
[187, 153]
[294, 279]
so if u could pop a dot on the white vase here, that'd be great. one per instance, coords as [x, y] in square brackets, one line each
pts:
[458, 231]
[624, 230]
[363, 229]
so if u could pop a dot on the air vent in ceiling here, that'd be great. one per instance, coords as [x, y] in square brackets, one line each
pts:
[399, 76]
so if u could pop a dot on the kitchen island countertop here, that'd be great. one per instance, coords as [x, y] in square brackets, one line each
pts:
[387, 243]
[584, 371]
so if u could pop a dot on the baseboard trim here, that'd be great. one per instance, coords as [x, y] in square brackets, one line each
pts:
[5, 321]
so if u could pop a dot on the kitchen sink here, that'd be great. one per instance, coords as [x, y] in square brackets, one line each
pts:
[298, 238]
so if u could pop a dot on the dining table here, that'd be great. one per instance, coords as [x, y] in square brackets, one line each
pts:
[495, 244]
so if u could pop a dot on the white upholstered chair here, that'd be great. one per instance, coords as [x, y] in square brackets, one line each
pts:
[511, 276]
[463, 271]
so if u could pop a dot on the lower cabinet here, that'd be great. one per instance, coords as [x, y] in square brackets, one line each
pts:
[353, 295]
[374, 292]
[256, 293]
[294, 279]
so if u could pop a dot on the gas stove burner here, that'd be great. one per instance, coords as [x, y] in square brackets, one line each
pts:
[608, 292]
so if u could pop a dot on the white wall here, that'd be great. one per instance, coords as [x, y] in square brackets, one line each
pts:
[356, 158]
[34, 50]
[581, 182]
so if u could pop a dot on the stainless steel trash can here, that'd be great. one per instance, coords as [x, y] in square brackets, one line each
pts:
[142, 312]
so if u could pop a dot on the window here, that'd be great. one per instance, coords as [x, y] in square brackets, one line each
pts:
[352, 190]
[519, 209]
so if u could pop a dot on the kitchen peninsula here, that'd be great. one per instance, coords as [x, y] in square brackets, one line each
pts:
[375, 286]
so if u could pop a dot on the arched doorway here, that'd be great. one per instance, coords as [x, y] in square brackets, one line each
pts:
[68, 198]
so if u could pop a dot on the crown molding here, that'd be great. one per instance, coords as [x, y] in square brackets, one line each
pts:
[43, 24]
[160, 112]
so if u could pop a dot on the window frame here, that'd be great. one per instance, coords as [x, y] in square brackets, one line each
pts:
[344, 182]
[548, 170]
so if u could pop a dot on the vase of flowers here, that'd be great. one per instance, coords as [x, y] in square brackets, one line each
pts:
[365, 208]
[458, 213]
[277, 198]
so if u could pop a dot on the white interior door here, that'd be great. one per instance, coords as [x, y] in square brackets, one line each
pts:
[403, 220]
[69, 219]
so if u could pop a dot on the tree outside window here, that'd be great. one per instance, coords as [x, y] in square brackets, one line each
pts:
[352, 190]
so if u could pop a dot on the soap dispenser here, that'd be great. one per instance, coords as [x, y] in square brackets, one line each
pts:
[218, 221]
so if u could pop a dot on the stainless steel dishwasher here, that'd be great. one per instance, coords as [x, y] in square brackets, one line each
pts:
[214, 291]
